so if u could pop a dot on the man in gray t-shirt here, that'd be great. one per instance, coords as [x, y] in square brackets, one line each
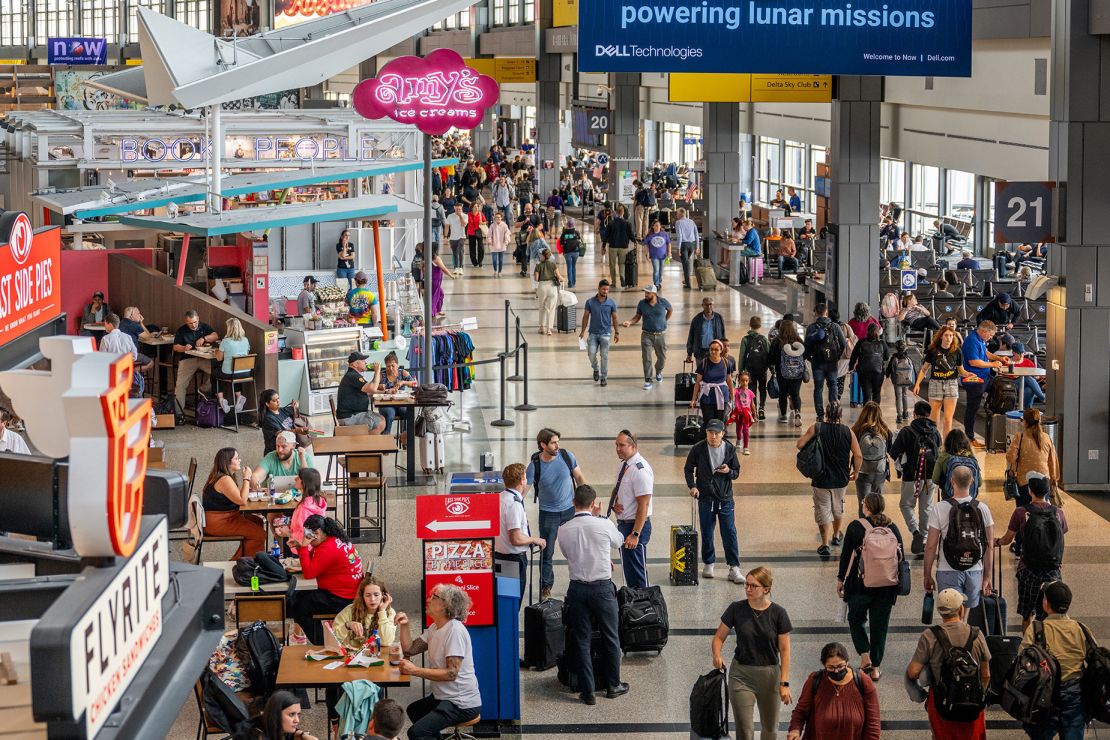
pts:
[598, 316]
[655, 312]
[306, 300]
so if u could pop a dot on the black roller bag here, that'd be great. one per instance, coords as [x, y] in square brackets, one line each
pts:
[543, 634]
[688, 430]
[643, 622]
[684, 385]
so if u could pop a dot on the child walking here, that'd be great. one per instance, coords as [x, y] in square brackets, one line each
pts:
[902, 373]
[743, 409]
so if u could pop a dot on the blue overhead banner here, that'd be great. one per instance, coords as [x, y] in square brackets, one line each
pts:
[77, 50]
[928, 38]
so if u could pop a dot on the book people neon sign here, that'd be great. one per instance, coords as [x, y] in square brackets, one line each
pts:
[434, 93]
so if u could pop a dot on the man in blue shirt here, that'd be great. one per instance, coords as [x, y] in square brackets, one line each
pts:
[686, 234]
[655, 312]
[795, 200]
[967, 262]
[554, 474]
[979, 362]
[597, 316]
[751, 244]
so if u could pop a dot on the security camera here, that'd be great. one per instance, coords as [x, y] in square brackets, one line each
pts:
[601, 90]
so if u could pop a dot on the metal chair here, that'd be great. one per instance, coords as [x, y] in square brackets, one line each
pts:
[240, 364]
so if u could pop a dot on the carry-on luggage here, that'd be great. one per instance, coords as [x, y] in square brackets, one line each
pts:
[544, 634]
[1004, 651]
[433, 452]
[709, 700]
[684, 385]
[705, 275]
[566, 319]
[684, 550]
[743, 277]
[997, 440]
[568, 676]
[643, 623]
[992, 609]
[688, 430]
[631, 269]
[856, 397]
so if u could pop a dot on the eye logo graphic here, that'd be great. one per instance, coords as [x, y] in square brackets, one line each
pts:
[458, 508]
[22, 238]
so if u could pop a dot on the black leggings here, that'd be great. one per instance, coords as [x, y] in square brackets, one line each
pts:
[870, 385]
[759, 385]
[709, 411]
[303, 604]
[477, 249]
[791, 389]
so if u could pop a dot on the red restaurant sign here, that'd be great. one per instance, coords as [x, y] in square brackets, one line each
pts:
[30, 275]
[467, 564]
[454, 515]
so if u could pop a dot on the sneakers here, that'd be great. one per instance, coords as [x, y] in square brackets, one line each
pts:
[707, 571]
[240, 403]
[225, 406]
[783, 419]
[659, 377]
[797, 418]
[837, 539]
[917, 546]
[747, 451]
[824, 551]
[597, 376]
[614, 691]
[760, 415]
[647, 385]
[735, 575]
[603, 383]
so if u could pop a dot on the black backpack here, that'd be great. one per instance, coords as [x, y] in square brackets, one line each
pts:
[925, 448]
[960, 695]
[222, 705]
[709, 705]
[265, 652]
[1095, 683]
[966, 538]
[246, 568]
[1002, 395]
[870, 357]
[755, 354]
[539, 471]
[1029, 691]
[825, 346]
[1042, 543]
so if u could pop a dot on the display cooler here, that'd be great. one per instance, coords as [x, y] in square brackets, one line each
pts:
[324, 352]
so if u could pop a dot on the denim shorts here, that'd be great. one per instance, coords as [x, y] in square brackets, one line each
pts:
[345, 272]
[942, 389]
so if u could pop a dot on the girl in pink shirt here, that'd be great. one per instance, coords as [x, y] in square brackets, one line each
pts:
[743, 409]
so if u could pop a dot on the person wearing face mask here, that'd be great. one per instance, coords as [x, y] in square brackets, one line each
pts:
[836, 702]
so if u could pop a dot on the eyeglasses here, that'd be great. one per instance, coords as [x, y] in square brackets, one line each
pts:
[835, 668]
[748, 585]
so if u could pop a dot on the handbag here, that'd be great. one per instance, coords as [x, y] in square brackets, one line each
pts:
[1011, 488]
[773, 386]
[807, 375]
[209, 413]
[483, 229]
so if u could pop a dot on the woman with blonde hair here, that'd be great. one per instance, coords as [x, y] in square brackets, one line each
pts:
[875, 441]
[944, 364]
[548, 279]
[234, 344]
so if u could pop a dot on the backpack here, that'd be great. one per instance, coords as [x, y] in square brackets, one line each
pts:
[246, 568]
[1002, 395]
[954, 462]
[755, 355]
[1095, 683]
[168, 405]
[709, 705]
[966, 538]
[223, 707]
[1029, 691]
[871, 357]
[960, 696]
[879, 556]
[792, 367]
[265, 652]
[903, 373]
[811, 458]
[539, 471]
[890, 306]
[825, 346]
[1042, 547]
[873, 447]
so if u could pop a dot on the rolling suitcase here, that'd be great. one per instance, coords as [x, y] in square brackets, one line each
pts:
[992, 609]
[684, 385]
[544, 634]
[704, 274]
[433, 453]
[856, 397]
[631, 269]
[684, 550]
[997, 439]
[643, 623]
[1003, 648]
[688, 430]
[568, 676]
[566, 319]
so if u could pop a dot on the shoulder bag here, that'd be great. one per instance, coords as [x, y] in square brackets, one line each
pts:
[1011, 488]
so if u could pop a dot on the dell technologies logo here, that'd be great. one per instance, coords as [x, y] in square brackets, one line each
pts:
[611, 50]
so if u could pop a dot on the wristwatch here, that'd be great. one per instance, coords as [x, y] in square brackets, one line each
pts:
[636, 535]
[784, 684]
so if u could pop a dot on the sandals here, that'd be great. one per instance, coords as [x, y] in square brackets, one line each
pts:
[872, 671]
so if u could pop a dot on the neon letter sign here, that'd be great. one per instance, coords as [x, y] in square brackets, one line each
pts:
[435, 93]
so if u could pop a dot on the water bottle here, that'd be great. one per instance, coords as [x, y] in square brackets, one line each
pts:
[273, 491]
[927, 608]
[377, 641]
[275, 550]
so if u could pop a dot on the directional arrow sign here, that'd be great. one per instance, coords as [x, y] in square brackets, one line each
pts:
[458, 516]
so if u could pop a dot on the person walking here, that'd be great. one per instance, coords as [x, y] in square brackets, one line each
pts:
[956, 450]
[553, 474]
[548, 279]
[537, 243]
[686, 234]
[437, 269]
[599, 318]
[499, 236]
[1066, 640]
[868, 361]
[755, 354]
[711, 467]
[915, 451]
[902, 373]
[570, 243]
[835, 703]
[618, 232]
[843, 459]
[713, 384]
[706, 327]
[760, 670]
[873, 531]
[631, 502]
[943, 364]
[743, 409]
[1040, 562]
[659, 251]
[514, 540]
[978, 361]
[965, 558]
[787, 359]
[926, 665]
[587, 541]
[655, 311]
[875, 441]
[457, 224]
[861, 320]
[1030, 451]
[824, 345]
[503, 194]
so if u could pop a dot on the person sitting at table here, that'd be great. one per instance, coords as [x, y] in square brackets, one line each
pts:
[193, 334]
[280, 720]
[118, 342]
[455, 694]
[277, 418]
[133, 324]
[394, 378]
[222, 498]
[352, 400]
[312, 502]
[94, 312]
[234, 344]
[327, 555]
[286, 459]
[10, 441]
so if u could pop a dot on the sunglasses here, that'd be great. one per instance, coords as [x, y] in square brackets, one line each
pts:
[309, 534]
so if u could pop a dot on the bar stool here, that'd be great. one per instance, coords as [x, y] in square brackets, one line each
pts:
[241, 364]
[459, 731]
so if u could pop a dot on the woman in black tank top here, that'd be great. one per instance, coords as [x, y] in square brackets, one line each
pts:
[222, 498]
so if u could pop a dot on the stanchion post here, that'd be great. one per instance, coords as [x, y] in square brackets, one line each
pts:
[506, 326]
[525, 406]
[516, 354]
[501, 421]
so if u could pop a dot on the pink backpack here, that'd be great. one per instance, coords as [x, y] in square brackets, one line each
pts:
[879, 556]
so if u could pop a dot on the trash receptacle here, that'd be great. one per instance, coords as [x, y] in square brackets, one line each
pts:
[1014, 424]
[1051, 425]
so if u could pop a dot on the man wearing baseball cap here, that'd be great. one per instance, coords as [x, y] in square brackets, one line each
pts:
[710, 469]
[929, 657]
[306, 299]
[352, 401]
[286, 460]
[361, 300]
[1066, 640]
[655, 312]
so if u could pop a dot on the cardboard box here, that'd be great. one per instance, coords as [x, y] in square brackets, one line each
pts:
[163, 421]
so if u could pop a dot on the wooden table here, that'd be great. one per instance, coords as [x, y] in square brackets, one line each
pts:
[294, 671]
[360, 444]
[93, 327]
[157, 342]
[233, 589]
[202, 353]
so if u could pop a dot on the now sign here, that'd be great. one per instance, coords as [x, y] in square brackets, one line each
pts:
[77, 50]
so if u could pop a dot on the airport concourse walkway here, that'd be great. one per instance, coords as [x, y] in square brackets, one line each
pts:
[774, 514]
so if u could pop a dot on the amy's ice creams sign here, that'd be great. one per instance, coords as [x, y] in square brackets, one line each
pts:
[30, 275]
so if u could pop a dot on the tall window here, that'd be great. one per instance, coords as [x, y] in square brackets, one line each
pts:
[498, 13]
[99, 18]
[53, 18]
[464, 19]
[961, 195]
[672, 142]
[794, 164]
[529, 11]
[132, 16]
[196, 13]
[13, 22]
[770, 167]
[514, 12]
[691, 145]
[892, 181]
[817, 155]
[988, 186]
[924, 198]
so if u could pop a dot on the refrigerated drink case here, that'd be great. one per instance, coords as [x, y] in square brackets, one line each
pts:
[325, 357]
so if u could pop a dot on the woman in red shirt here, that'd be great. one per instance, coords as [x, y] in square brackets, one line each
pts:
[835, 703]
[328, 556]
[474, 223]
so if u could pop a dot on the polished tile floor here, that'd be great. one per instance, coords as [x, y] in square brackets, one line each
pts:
[773, 514]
